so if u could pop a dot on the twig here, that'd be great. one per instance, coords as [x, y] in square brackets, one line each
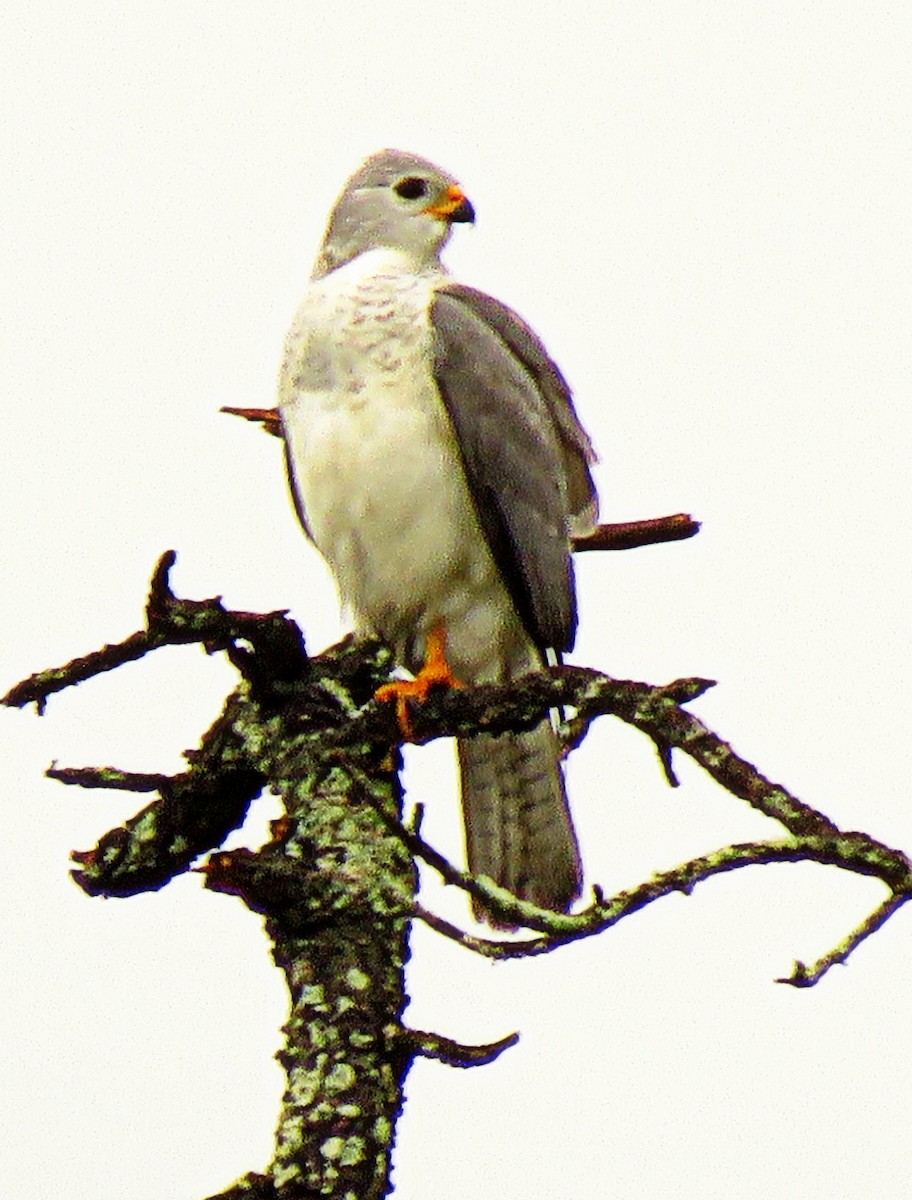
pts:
[267, 418]
[277, 647]
[803, 976]
[37, 688]
[628, 535]
[484, 946]
[454, 1054]
[110, 778]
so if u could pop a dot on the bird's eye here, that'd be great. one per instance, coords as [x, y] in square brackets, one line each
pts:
[411, 188]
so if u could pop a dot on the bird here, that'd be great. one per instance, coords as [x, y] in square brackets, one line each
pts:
[436, 461]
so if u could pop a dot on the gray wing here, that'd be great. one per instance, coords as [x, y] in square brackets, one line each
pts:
[577, 452]
[524, 454]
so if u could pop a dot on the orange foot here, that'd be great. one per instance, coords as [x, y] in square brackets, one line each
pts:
[435, 673]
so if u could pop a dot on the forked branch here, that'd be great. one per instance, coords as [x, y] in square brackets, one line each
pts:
[337, 881]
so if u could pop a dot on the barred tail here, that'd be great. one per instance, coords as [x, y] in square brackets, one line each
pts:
[517, 821]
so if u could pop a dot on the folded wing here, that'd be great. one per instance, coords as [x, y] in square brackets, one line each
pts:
[525, 455]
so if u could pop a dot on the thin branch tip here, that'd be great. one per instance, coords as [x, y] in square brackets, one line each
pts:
[454, 1054]
[804, 976]
[664, 752]
[629, 535]
[160, 582]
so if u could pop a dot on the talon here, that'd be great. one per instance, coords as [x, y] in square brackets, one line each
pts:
[435, 673]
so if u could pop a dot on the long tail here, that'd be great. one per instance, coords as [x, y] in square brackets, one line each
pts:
[517, 821]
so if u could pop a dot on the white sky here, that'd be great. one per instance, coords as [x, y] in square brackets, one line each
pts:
[704, 210]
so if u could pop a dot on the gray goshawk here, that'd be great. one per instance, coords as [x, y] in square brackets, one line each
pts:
[437, 463]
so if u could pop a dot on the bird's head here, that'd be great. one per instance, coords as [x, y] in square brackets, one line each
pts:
[394, 200]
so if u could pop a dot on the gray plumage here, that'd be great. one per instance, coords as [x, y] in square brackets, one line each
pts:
[438, 464]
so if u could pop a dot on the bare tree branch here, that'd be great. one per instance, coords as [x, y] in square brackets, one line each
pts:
[455, 1054]
[276, 651]
[109, 778]
[804, 976]
[337, 881]
[628, 535]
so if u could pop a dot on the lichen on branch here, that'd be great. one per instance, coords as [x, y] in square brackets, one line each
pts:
[337, 881]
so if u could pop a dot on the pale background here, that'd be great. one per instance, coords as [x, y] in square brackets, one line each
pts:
[704, 210]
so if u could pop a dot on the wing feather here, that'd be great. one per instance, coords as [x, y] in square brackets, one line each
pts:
[524, 454]
[577, 451]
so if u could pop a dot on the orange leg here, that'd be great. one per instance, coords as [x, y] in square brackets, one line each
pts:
[435, 673]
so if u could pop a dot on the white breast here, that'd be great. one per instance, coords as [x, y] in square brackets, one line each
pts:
[377, 470]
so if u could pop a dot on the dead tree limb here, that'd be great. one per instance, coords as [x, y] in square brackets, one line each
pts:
[337, 882]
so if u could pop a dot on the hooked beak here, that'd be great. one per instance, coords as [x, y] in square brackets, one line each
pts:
[454, 206]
